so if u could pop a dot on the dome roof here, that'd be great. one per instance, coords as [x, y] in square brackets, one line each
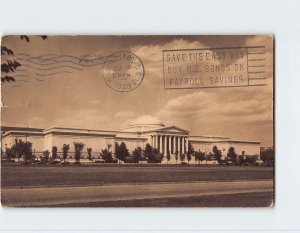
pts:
[147, 121]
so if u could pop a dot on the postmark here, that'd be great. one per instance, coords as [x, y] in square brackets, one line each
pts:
[123, 71]
[213, 67]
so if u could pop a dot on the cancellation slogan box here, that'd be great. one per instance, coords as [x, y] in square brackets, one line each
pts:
[137, 121]
[213, 67]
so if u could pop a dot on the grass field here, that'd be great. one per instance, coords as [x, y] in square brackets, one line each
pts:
[15, 175]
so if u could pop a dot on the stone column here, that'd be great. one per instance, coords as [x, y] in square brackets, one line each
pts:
[182, 144]
[167, 142]
[161, 144]
[165, 145]
[177, 144]
[185, 145]
[158, 142]
[174, 144]
[170, 142]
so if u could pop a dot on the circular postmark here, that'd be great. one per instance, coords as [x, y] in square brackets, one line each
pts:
[123, 71]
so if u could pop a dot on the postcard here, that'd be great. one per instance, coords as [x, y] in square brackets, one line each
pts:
[137, 121]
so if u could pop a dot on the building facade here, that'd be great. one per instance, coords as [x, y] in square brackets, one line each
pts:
[144, 130]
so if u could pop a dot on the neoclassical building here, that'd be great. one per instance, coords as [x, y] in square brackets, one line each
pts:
[144, 130]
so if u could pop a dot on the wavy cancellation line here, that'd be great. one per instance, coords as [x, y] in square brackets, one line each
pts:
[51, 68]
[23, 76]
[60, 72]
[55, 56]
[56, 59]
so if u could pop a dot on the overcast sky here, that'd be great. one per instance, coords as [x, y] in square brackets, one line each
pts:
[69, 91]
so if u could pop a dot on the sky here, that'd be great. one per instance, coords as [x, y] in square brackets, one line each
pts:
[60, 83]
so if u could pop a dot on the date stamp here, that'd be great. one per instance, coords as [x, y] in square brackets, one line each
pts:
[123, 71]
[213, 67]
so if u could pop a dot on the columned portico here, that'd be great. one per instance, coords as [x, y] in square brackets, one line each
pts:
[171, 143]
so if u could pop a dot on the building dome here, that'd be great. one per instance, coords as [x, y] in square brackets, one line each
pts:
[147, 121]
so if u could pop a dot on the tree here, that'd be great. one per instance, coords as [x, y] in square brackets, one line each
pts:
[240, 159]
[89, 151]
[201, 156]
[189, 157]
[65, 150]
[78, 150]
[196, 154]
[168, 156]
[232, 155]
[106, 156]
[267, 156]
[10, 153]
[251, 159]
[182, 157]
[45, 158]
[217, 154]
[10, 66]
[153, 155]
[23, 149]
[148, 151]
[157, 156]
[54, 153]
[17, 149]
[121, 151]
[190, 152]
[208, 157]
[176, 156]
[137, 154]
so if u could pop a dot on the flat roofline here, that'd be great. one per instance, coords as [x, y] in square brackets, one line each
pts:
[66, 129]
[10, 128]
[228, 141]
[52, 129]
[131, 138]
[23, 133]
[209, 136]
[75, 128]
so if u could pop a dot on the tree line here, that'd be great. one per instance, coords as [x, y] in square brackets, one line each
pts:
[24, 150]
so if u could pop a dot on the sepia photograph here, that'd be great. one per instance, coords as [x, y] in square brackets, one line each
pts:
[137, 121]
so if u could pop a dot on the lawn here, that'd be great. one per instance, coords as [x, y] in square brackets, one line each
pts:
[15, 175]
